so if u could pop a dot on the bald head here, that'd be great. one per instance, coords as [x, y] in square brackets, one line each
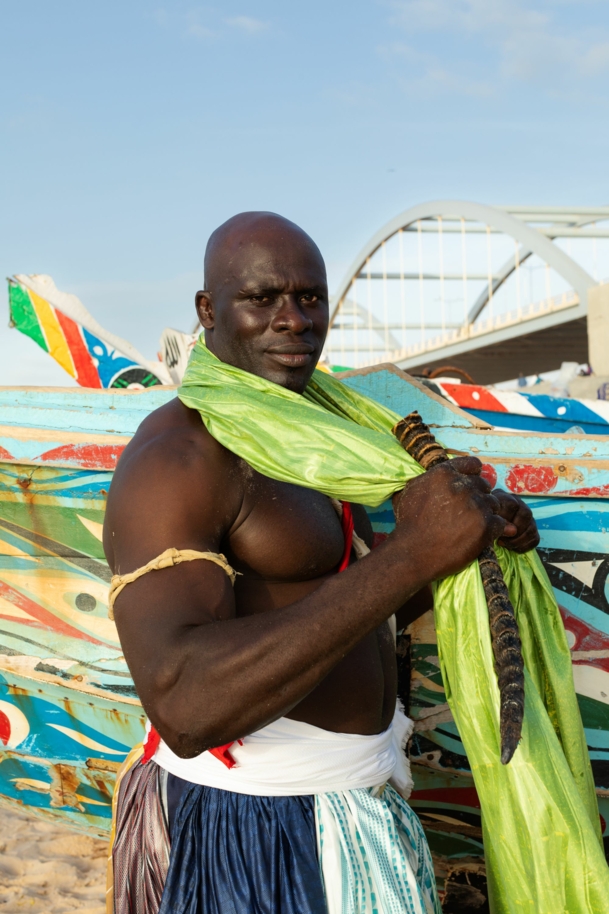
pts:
[245, 234]
[265, 304]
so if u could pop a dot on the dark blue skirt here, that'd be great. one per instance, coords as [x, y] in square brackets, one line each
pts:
[238, 854]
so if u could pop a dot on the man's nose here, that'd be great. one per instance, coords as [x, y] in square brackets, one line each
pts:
[291, 316]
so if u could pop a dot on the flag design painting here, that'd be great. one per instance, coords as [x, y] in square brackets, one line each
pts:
[61, 325]
[526, 411]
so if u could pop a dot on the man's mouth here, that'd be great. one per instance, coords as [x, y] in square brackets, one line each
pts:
[295, 355]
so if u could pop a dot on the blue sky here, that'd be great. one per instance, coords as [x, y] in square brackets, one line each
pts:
[130, 130]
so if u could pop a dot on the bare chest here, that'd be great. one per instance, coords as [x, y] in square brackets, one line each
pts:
[286, 543]
[285, 533]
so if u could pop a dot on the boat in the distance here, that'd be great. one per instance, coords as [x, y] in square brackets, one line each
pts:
[530, 412]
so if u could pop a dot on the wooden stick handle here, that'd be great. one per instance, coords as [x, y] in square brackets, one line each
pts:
[416, 438]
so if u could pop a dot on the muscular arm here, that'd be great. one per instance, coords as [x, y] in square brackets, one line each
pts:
[418, 603]
[206, 677]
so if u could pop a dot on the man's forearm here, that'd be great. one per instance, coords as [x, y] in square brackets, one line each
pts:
[235, 676]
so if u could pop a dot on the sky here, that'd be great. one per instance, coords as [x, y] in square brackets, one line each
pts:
[130, 130]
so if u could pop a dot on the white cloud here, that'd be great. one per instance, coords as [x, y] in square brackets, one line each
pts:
[528, 41]
[467, 15]
[195, 27]
[199, 22]
[247, 24]
[160, 17]
[428, 74]
[200, 31]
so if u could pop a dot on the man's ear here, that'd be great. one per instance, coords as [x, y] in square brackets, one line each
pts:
[205, 309]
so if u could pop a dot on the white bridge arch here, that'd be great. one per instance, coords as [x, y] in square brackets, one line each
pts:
[454, 280]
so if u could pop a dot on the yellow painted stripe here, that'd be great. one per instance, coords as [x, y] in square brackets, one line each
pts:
[56, 341]
[31, 784]
[95, 529]
[91, 802]
[426, 682]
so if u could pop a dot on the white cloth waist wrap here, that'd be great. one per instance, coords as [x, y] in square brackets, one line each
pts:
[291, 758]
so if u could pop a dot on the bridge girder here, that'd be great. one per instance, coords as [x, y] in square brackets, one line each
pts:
[461, 346]
[500, 219]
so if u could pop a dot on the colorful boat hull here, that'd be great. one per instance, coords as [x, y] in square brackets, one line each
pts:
[68, 709]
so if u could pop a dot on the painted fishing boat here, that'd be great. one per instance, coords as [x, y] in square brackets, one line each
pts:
[69, 712]
[527, 411]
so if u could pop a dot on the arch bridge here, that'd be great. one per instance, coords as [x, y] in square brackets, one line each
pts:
[494, 290]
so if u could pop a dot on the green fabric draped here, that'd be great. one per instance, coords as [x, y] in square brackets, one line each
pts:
[539, 813]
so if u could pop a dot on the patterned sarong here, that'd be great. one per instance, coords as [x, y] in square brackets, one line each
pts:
[349, 852]
[373, 854]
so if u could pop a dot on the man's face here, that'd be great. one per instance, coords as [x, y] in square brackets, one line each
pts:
[269, 313]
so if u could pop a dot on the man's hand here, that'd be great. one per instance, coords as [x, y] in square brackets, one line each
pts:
[520, 534]
[447, 516]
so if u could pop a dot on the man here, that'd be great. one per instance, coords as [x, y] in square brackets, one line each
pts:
[274, 698]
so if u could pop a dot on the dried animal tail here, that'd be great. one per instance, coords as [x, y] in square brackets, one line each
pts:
[416, 438]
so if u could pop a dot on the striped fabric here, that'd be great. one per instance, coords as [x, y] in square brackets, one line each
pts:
[373, 854]
[140, 846]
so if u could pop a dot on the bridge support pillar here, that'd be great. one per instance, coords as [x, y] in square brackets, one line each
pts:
[598, 329]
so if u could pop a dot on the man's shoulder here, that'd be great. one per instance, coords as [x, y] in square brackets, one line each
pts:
[171, 453]
[174, 434]
[170, 487]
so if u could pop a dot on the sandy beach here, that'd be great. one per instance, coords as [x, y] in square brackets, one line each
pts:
[48, 869]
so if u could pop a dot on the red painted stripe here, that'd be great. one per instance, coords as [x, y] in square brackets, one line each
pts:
[4, 454]
[88, 456]
[587, 638]
[86, 372]
[456, 796]
[5, 728]
[590, 492]
[48, 619]
[33, 623]
[472, 396]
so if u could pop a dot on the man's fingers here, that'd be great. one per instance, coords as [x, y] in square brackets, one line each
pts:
[469, 466]
[510, 505]
[525, 536]
[496, 527]
[523, 517]
[496, 523]
[494, 504]
[524, 542]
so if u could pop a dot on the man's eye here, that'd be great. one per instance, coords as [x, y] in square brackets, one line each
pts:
[309, 298]
[259, 299]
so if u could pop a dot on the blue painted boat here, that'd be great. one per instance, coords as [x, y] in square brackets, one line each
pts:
[526, 411]
[68, 709]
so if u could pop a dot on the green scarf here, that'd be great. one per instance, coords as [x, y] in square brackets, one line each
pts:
[539, 813]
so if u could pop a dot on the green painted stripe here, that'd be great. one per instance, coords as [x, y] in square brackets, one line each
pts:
[23, 315]
[595, 714]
